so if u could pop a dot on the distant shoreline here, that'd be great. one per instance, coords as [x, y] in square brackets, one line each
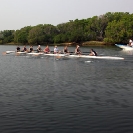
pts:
[87, 43]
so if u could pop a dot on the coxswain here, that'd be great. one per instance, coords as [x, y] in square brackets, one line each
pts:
[93, 53]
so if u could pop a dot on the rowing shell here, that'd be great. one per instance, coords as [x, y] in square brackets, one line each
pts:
[79, 56]
[9, 52]
[35, 53]
[71, 56]
[19, 53]
[57, 55]
[98, 57]
[87, 56]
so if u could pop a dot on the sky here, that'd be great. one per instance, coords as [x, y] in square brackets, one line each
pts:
[16, 14]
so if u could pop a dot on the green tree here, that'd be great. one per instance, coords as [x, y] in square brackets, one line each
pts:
[21, 36]
[7, 36]
[50, 32]
[120, 30]
[36, 35]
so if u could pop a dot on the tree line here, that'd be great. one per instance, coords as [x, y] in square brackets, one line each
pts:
[116, 27]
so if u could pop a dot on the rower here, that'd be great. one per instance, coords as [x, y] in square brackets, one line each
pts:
[77, 50]
[31, 49]
[56, 50]
[39, 49]
[24, 49]
[93, 53]
[46, 50]
[65, 50]
[18, 49]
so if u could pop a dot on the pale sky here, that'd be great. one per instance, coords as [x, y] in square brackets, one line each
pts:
[16, 14]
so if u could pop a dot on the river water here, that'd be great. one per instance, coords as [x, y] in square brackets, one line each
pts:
[66, 95]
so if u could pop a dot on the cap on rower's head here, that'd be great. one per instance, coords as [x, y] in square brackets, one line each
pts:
[38, 45]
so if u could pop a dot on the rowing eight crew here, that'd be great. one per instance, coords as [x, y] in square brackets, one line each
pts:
[56, 50]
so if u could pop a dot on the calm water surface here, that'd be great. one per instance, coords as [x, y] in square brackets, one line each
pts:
[66, 95]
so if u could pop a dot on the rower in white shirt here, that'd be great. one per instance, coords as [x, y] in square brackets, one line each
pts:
[56, 50]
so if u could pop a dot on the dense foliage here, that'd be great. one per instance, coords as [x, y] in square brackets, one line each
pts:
[112, 28]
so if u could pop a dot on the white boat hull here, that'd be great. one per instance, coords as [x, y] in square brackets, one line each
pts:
[9, 52]
[124, 47]
[57, 55]
[21, 52]
[86, 56]
[36, 54]
[97, 57]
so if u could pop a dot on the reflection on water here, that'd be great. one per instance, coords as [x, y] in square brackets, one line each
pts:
[50, 94]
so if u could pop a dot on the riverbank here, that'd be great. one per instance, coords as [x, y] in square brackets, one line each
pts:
[96, 43]
[87, 43]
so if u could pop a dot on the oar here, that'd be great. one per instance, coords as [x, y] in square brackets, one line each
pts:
[58, 56]
[21, 52]
[17, 53]
[8, 52]
[3, 53]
